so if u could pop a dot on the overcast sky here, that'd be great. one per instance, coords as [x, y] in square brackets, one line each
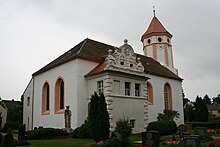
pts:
[35, 32]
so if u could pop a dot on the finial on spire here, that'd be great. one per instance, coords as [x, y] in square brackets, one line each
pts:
[154, 10]
[126, 41]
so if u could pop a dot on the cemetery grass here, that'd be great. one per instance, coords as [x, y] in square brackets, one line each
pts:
[70, 142]
[65, 142]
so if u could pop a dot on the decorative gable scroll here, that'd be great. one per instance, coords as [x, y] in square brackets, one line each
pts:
[124, 60]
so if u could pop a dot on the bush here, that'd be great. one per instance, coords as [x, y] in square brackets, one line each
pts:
[209, 125]
[45, 133]
[75, 133]
[21, 132]
[164, 127]
[82, 132]
[12, 125]
[8, 140]
[112, 142]
[124, 129]
[99, 118]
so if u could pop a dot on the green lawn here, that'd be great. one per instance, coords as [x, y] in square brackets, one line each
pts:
[66, 142]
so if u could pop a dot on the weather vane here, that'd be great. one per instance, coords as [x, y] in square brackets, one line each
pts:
[154, 10]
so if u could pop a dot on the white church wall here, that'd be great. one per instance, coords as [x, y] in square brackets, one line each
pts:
[158, 97]
[27, 105]
[67, 71]
[83, 67]
[75, 87]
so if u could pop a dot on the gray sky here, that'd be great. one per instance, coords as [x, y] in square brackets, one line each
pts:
[35, 32]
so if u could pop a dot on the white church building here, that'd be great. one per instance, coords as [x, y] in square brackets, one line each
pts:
[136, 87]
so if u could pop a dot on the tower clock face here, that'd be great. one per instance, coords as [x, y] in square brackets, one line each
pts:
[160, 47]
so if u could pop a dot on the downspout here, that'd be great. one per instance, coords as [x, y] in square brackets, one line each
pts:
[32, 123]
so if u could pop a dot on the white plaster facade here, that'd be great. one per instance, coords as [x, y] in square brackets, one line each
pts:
[158, 97]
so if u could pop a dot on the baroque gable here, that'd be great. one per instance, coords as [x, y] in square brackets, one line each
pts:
[124, 60]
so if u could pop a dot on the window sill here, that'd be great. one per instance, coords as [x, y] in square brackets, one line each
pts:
[46, 113]
[60, 111]
[129, 97]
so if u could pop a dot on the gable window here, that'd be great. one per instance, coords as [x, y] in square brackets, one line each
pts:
[59, 96]
[45, 99]
[28, 101]
[100, 87]
[150, 93]
[127, 88]
[167, 97]
[137, 89]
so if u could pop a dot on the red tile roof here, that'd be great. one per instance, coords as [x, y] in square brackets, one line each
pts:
[155, 29]
[96, 51]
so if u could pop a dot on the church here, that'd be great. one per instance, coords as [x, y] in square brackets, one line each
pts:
[136, 86]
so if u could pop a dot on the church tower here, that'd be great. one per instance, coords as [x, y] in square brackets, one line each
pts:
[157, 44]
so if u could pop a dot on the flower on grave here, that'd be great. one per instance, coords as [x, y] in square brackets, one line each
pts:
[214, 143]
[100, 143]
[212, 131]
[172, 142]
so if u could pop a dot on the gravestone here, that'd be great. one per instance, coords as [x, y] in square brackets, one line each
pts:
[202, 132]
[182, 128]
[151, 138]
[182, 131]
[192, 141]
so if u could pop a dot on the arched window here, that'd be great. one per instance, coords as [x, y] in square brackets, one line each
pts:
[150, 93]
[46, 98]
[167, 97]
[59, 96]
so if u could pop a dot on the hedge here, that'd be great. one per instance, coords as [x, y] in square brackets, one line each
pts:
[164, 127]
[209, 125]
[45, 133]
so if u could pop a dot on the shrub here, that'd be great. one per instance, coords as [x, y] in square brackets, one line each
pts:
[75, 133]
[12, 125]
[124, 129]
[45, 133]
[84, 131]
[112, 142]
[8, 140]
[21, 132]
[168, 115]
[99, 118]
[164, 127]
[209, 125]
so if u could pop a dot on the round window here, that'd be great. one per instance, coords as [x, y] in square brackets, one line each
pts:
[159, 39]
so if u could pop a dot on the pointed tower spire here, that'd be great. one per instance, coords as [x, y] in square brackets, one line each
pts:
[157, 44]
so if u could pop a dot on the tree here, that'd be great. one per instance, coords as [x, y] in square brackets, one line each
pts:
[15, 114]
[216, 100]
[8, 140]
[185, 100]
[189, 113]
[207, 100]
[201, 110]
[99, 118]
[168, 115]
